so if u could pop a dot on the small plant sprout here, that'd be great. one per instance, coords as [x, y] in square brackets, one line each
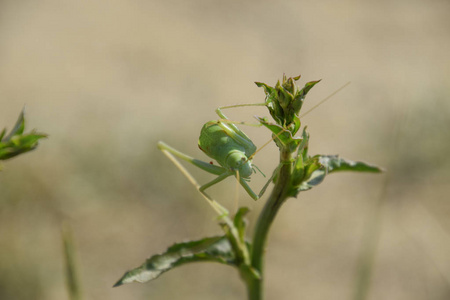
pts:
[233, 150]
[17, 142]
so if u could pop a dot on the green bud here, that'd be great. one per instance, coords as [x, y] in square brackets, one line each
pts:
[285, 100]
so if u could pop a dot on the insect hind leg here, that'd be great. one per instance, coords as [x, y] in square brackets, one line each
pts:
[208, 167]
[222, 211]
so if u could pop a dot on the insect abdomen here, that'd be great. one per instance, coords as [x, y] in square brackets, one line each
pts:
[216, 143]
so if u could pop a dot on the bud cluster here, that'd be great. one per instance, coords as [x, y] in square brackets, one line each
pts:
[285, 101]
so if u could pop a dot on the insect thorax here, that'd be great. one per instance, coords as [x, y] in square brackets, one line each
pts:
[217, 144]
[237, 160]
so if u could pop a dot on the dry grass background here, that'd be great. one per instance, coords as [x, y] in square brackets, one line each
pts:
[108, 79]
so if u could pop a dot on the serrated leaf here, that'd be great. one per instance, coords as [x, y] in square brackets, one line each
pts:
[213, 249]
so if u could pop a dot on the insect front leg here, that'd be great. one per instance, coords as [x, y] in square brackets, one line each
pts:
[263, 190]
[216, 180]
[248, 189]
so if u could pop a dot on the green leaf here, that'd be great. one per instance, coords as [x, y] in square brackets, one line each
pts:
[272, 103]
[320, 166]
[298, 172]
[333, 163]
[283, 136]
[2, 134]
[241, 223]
[300, 96]
[213, 249]
[16, 142]
[285, 100]
[267, 89]
[308, 86]
[316, 178]
[19, 144]
[18, 128]
[315, 174]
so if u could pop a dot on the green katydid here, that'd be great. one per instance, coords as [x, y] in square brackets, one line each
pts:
[233, 150]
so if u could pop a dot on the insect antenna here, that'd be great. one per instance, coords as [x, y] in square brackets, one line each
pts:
[239, 122]
[256, 167]
[278, 134]
[326, 98]
[267, 143]
[242, 105]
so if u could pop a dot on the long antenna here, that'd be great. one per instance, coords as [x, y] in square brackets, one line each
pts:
[334, 93]
[267, 143]
[278, 134]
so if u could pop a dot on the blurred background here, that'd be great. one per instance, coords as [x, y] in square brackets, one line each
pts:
[108, 79]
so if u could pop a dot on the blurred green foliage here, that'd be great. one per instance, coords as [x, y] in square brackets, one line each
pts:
[17, 142]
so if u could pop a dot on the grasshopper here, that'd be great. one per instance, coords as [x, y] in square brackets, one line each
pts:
[233, 150]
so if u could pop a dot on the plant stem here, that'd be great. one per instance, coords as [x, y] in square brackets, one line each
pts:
[270, 210]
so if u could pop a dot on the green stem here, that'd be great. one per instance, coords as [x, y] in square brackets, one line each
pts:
[270, 210]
